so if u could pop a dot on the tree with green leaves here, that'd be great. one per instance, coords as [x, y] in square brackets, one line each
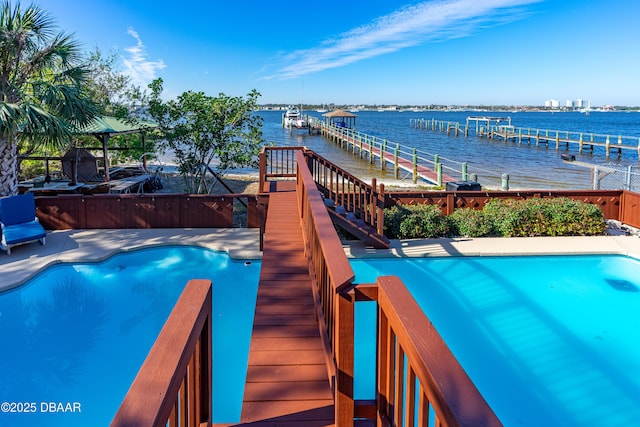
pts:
[42, 76]
[208, 134]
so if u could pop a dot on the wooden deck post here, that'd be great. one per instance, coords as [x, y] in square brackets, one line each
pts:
[396, 166]
[344, 405]
[415, 166]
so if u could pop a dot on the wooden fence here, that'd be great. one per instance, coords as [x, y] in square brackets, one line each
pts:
[118, 211]
[173, 388]
[609, 201]
[630, 209]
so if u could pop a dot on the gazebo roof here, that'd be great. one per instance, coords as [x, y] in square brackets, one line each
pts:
[106, 125]
[339, 113]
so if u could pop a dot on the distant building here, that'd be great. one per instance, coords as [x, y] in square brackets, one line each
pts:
[552, 103]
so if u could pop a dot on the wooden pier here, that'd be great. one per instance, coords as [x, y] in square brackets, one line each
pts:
[390, 154]
[565, 139]
[493, 129]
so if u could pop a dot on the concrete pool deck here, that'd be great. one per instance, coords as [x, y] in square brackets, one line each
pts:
[500, 246]
[96, 245]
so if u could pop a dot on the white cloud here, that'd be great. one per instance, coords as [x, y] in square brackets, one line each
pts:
[141, 70]
[406, 27]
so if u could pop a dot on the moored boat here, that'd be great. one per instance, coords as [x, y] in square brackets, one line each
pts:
[292, 118]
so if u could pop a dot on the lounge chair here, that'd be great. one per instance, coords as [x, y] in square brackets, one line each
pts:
[18, 221]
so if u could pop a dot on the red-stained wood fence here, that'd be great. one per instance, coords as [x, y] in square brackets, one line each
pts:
[119, 211]
[609, 201]
[630, 209]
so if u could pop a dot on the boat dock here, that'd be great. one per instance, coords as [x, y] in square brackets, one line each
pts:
[500, 128]
[420, 165]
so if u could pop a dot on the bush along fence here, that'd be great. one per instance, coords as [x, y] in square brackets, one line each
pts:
[499, 217]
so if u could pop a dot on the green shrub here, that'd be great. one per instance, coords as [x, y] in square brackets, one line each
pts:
[544, 217]
[469, 222]
[500, 217]
[416, 221]
[392, 219]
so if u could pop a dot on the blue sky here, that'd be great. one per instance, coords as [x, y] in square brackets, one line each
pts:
[514, 52]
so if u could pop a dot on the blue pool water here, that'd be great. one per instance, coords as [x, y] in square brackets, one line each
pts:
[551, 341]
[79, 333]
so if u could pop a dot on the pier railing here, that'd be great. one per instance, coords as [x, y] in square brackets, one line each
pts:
[557, 138]
[173, 386]
[418, 164]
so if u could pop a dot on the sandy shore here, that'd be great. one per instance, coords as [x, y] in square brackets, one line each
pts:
[238, 183]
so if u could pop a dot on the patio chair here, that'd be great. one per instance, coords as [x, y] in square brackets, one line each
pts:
[18, 221]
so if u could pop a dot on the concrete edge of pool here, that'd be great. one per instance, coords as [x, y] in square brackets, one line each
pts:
[96, 245]
[241, 243]
[500, 246]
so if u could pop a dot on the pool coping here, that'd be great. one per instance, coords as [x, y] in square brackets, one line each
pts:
[501, 246]
[61, 246]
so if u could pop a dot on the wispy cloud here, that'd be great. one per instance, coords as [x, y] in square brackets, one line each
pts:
[141, 70]
[406, 27]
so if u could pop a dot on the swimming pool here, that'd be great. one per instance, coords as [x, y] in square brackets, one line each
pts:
[77, 334]
[551, 341]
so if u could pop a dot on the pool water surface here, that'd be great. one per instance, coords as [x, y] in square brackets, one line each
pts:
[551, 341]
[78, 333]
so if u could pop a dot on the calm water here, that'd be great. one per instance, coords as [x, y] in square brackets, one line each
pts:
[528, 166]
[79, 333]
[551, 346]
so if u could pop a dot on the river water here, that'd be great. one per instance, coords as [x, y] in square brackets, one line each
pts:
[528, 166]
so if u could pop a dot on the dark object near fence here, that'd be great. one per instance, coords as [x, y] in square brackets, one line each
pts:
[568, 157]
[463, 186]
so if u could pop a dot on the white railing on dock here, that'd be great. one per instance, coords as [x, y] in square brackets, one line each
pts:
[558, 138]
[418, 164]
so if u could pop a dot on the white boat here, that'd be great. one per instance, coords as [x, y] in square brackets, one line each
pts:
[293, 119]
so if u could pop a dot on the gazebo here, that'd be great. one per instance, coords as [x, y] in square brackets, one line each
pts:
[105, 127]
[340, 118]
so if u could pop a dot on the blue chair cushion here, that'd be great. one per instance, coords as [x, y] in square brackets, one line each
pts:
[25, 232]
[17, 209]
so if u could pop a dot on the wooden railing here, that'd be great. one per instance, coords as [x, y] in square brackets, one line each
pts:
[331, 274]
[277, 162]
[118, 211]
[345, 189]
[173, 387]
[432, 380]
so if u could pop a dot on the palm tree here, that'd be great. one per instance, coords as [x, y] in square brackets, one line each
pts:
[41, 86]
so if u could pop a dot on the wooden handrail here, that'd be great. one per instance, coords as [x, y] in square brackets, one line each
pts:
[331, 271]
[277, 162]
[405, 330]
[364, 200]
[175, 378]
